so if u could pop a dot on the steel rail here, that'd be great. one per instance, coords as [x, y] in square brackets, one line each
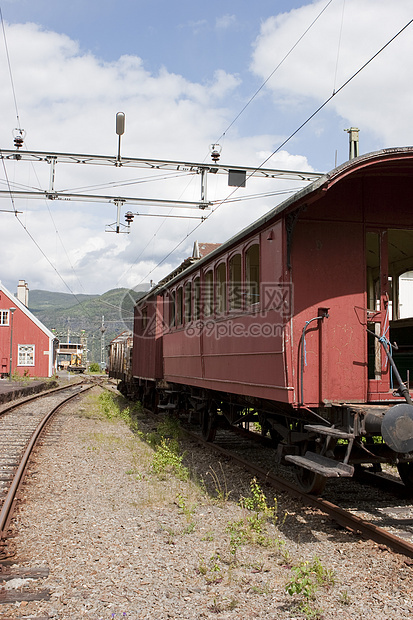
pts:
[27, 399]
[7, 508]
[339, 515]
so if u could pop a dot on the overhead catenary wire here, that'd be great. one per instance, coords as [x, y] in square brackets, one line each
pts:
[9, 184]
[141, 180]
[339, 44]
[16, 213]
[303, 124]
[10, 70]
[251, 99]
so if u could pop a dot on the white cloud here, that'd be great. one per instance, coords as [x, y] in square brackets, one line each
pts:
[380, 98]
[225, 21]
[67, 101]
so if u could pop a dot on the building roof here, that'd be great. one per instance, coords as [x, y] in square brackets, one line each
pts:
[202, 249]
[122, 337]
[18, 304]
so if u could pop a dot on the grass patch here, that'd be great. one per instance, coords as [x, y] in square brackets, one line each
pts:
[167, 460]
[252, 527]
[307, 578]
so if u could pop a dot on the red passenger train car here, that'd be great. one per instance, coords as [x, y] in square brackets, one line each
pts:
[293, 322]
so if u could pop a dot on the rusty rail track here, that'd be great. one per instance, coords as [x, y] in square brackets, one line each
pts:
[22, 447]
[343, 517]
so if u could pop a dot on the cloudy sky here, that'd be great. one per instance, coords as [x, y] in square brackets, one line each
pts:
[186, 75]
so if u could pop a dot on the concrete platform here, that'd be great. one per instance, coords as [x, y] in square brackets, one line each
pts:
[11, 390]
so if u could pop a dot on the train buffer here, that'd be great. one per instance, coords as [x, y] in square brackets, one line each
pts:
[321, 465]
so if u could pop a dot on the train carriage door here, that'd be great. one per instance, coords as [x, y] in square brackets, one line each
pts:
[390, 308]
[400, 254]
[376, 303]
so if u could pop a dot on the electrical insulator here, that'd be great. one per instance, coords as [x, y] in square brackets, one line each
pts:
[215, 152]
[18, 142]
[18, 137]
[129, 217]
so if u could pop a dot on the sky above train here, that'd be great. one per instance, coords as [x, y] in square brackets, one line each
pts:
[186, 75]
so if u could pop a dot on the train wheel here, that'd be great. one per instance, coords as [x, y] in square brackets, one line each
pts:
[406, 474]
[309, 481]
[208, 423]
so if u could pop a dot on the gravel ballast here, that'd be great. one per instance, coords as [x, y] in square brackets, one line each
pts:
[121, 541]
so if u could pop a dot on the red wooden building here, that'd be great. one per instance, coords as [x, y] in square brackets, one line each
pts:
[27, 347]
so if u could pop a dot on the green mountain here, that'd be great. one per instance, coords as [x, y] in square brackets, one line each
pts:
[99, 318]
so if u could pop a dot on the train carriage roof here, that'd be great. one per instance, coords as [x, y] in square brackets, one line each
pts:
[372, 164]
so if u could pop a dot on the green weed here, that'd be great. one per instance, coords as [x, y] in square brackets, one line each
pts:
[189, 528]
[345, 598]
[307, 578]
[257, 503]
[114, 407]
[211, 569]
[187, 510]
[252, 527]
[169, 427]
[221, 489]
[167, 460]
[266, 588]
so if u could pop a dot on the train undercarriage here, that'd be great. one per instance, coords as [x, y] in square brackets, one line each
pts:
[330, 442]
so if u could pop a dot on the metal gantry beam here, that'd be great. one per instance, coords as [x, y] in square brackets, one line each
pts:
[56, 195]
[156, 164]
[237, 176]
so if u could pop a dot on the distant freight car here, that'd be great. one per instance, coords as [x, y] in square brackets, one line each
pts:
[120, 360]
[292, 323]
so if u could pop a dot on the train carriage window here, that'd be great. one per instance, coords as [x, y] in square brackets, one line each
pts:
[221, 288]
[179, 306]
[172, 309]
[144, 318]
[400, 251]
[373, 303]
[405, 295]
[235, 296]
[209, 294]
[252, 274]
[197, 299]
[373, 270]
[187, 302]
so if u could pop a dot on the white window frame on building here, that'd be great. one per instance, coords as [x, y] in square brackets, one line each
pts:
[4, 317]
[25, 355]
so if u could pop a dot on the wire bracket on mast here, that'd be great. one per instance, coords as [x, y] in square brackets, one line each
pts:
[203, 204]
[52, 194]
[117, 226]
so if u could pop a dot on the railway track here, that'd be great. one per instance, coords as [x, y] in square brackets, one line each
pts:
[384, 514]
[21, 425]
[380, 515]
